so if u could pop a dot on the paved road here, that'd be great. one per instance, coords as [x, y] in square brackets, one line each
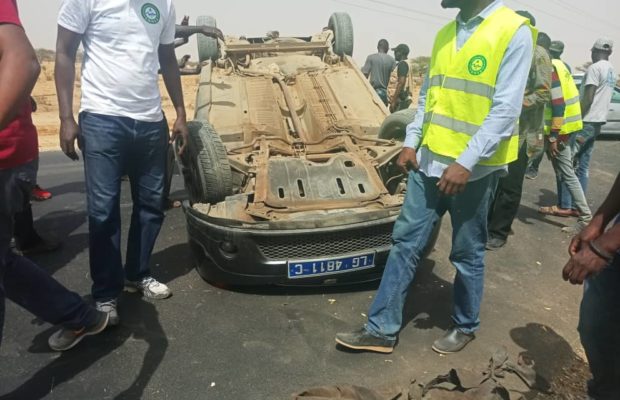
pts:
[210, 343]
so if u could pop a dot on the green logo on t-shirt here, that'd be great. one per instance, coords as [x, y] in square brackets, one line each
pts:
[477, 65]
[150, 13]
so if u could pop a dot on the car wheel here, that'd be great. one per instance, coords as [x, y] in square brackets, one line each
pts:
[207, 47]
[340, 23]
[395, 125]
[208, 176]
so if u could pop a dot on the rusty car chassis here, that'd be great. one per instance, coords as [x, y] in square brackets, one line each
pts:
[285, 170]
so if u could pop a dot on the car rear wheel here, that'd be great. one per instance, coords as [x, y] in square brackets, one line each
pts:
[340, 23]
[395, 125]
[207, 47]
[208, 176]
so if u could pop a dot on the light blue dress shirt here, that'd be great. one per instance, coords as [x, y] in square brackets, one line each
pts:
[505, 108]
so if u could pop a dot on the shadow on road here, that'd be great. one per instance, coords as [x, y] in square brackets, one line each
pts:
[139, 320]
[72, 187]
[429, 302]
[172, 263]
[59, 225]
[559, 369]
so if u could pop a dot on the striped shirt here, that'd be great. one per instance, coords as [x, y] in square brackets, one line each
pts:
[558, 105]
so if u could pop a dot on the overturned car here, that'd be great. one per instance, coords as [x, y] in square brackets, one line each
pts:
[288, 180]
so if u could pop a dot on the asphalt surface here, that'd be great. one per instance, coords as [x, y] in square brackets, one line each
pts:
[267, 343]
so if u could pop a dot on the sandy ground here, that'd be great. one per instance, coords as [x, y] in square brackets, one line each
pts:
[46, 117]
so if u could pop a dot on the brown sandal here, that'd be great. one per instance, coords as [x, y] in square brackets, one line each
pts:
[558, 212]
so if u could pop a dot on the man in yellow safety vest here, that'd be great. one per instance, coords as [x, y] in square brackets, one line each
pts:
[562, 120]
[463, 137]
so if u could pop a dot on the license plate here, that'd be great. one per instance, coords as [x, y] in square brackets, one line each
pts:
[305, 269]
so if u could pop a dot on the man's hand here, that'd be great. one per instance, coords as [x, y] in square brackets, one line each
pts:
[212, 32]
[180, 130]
[553, 150]
[69, 131]
[583, 265]
[407, 160]
[454, 179]
[591, 232]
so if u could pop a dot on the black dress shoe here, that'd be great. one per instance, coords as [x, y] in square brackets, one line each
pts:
[495, 243]
[42, 246]
[453, 341]
[363, 340]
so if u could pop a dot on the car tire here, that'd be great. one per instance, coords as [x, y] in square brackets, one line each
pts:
[208, 176]
[207, 47]
[395, 125]
[340, 23]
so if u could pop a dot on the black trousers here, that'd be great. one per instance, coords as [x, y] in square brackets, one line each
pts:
[508, 197]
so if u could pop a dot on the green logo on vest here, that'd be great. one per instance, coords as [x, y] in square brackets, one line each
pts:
[150, 13]
[477, 65]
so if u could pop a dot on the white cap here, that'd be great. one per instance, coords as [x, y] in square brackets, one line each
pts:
[604, 44]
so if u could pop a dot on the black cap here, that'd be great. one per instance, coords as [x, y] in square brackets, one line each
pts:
[402, 48]
[527, 15]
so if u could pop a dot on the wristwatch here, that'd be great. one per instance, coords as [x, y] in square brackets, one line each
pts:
[552, 139]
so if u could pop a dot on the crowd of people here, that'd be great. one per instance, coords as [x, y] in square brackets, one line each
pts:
[496, 99]
[497, 96]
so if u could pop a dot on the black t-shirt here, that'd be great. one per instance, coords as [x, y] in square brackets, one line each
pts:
[402, 70]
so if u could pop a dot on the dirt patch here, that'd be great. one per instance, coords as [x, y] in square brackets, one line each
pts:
[46, 117]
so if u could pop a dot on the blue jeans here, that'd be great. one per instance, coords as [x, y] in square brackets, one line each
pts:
[423, 207]
[599, 328]
[22, 281]
[582, 154]
[114, 146]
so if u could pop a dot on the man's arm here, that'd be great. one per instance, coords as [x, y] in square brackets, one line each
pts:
[67, 44]
[588, 99]
[172, 80]
[590, 249]
[366, 67]
[505, 110]
[558, 108]
[407, 158]
[19, 70]
[540, 92]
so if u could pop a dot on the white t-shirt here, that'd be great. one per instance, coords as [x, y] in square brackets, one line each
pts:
[121, 40]
[602, 75]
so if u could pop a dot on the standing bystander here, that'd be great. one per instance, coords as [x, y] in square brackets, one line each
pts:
[507, 197]
[596, 92]
[465, 134]
[595, 260]
[121, 130]
[555, 51]
[378, 68]
[21, 280]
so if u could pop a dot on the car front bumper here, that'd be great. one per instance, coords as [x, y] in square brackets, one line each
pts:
[249, 256]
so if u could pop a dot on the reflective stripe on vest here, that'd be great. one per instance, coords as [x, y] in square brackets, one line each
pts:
[462, 85]
[572, 115]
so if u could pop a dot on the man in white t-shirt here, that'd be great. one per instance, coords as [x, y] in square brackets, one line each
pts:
[121, 130]
[597, 90]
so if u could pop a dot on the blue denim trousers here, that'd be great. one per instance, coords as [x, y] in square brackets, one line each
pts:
[599, 328]
[423, 207]
[21, 280]
[582, 154]
[112, 147]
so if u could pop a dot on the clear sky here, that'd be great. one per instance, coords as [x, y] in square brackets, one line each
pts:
[577, 22]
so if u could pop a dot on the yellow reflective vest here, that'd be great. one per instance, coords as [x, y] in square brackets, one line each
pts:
[462, 86]
[572, 115]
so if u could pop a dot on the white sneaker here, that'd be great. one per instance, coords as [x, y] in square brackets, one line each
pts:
[149, 287]
[109, 307]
